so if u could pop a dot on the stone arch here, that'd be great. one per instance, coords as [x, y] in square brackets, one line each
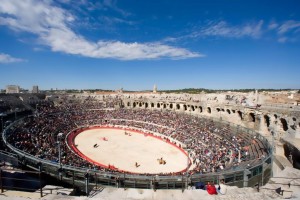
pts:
[240, 114]
[233, 111]
[200, 109]
[284, 124]
[223, 110]
[177, 106]
[228, 111]
[164, 106]
[134, 104]
[171, 105]
[208, 109]
[140, 104]
[158, 105]
[128, 104]
[218, 109]
[267, 120]
[152, 105]
[294, 119]
[252, 117]
[184, 107]
[146, 105]
[193, 108]
[275, 116]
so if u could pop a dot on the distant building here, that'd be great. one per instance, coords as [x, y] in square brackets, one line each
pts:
[154, 89]
[119, 91]
[11, 89]
[35, 89]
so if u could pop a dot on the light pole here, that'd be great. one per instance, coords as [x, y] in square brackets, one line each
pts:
[16, 113]
[36, 110]
[59, 136]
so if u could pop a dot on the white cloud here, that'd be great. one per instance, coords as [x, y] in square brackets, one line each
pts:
[289, 26]
[223, 29]
[52, 26]
[287, 31]
[113, 5]
[5, 58]
[272, 25]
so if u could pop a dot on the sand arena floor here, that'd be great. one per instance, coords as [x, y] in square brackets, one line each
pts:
[123, 151]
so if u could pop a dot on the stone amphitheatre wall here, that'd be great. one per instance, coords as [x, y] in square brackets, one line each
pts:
[268, 118]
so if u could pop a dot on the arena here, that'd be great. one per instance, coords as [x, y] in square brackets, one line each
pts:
[130, 151]
[143, 142]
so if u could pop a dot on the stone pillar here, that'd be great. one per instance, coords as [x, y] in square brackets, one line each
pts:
[246, 172]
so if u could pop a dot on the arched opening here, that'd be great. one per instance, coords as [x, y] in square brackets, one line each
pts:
[177, 106]
[287, 150]
[294, 119]
[134, 104]
[292, 154]
[200, 109]
[146, 105]
[208, 109]
[158, 105]
[228, 111]
[275, 116]
[152, 105]
[223, 110]
[218, 109]
[165, 106]
[185, 107]
[240, 114]
[267, 120]
[128, 104]
[193, 108]
[284, 124]
[252, 117]
[233, 111]
[140, 104]
[171, 106]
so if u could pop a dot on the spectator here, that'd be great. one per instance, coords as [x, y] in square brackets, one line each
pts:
[210, 188]
[222, 188]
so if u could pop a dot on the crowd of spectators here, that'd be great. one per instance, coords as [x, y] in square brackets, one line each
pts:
[209, 149]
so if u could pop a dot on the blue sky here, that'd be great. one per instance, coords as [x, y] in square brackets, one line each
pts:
[134, 44]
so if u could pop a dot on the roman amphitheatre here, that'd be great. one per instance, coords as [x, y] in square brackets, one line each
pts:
[152, 144]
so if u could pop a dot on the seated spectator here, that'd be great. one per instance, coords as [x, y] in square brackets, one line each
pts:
[210, 188]
[222, 188]
[200, 185]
